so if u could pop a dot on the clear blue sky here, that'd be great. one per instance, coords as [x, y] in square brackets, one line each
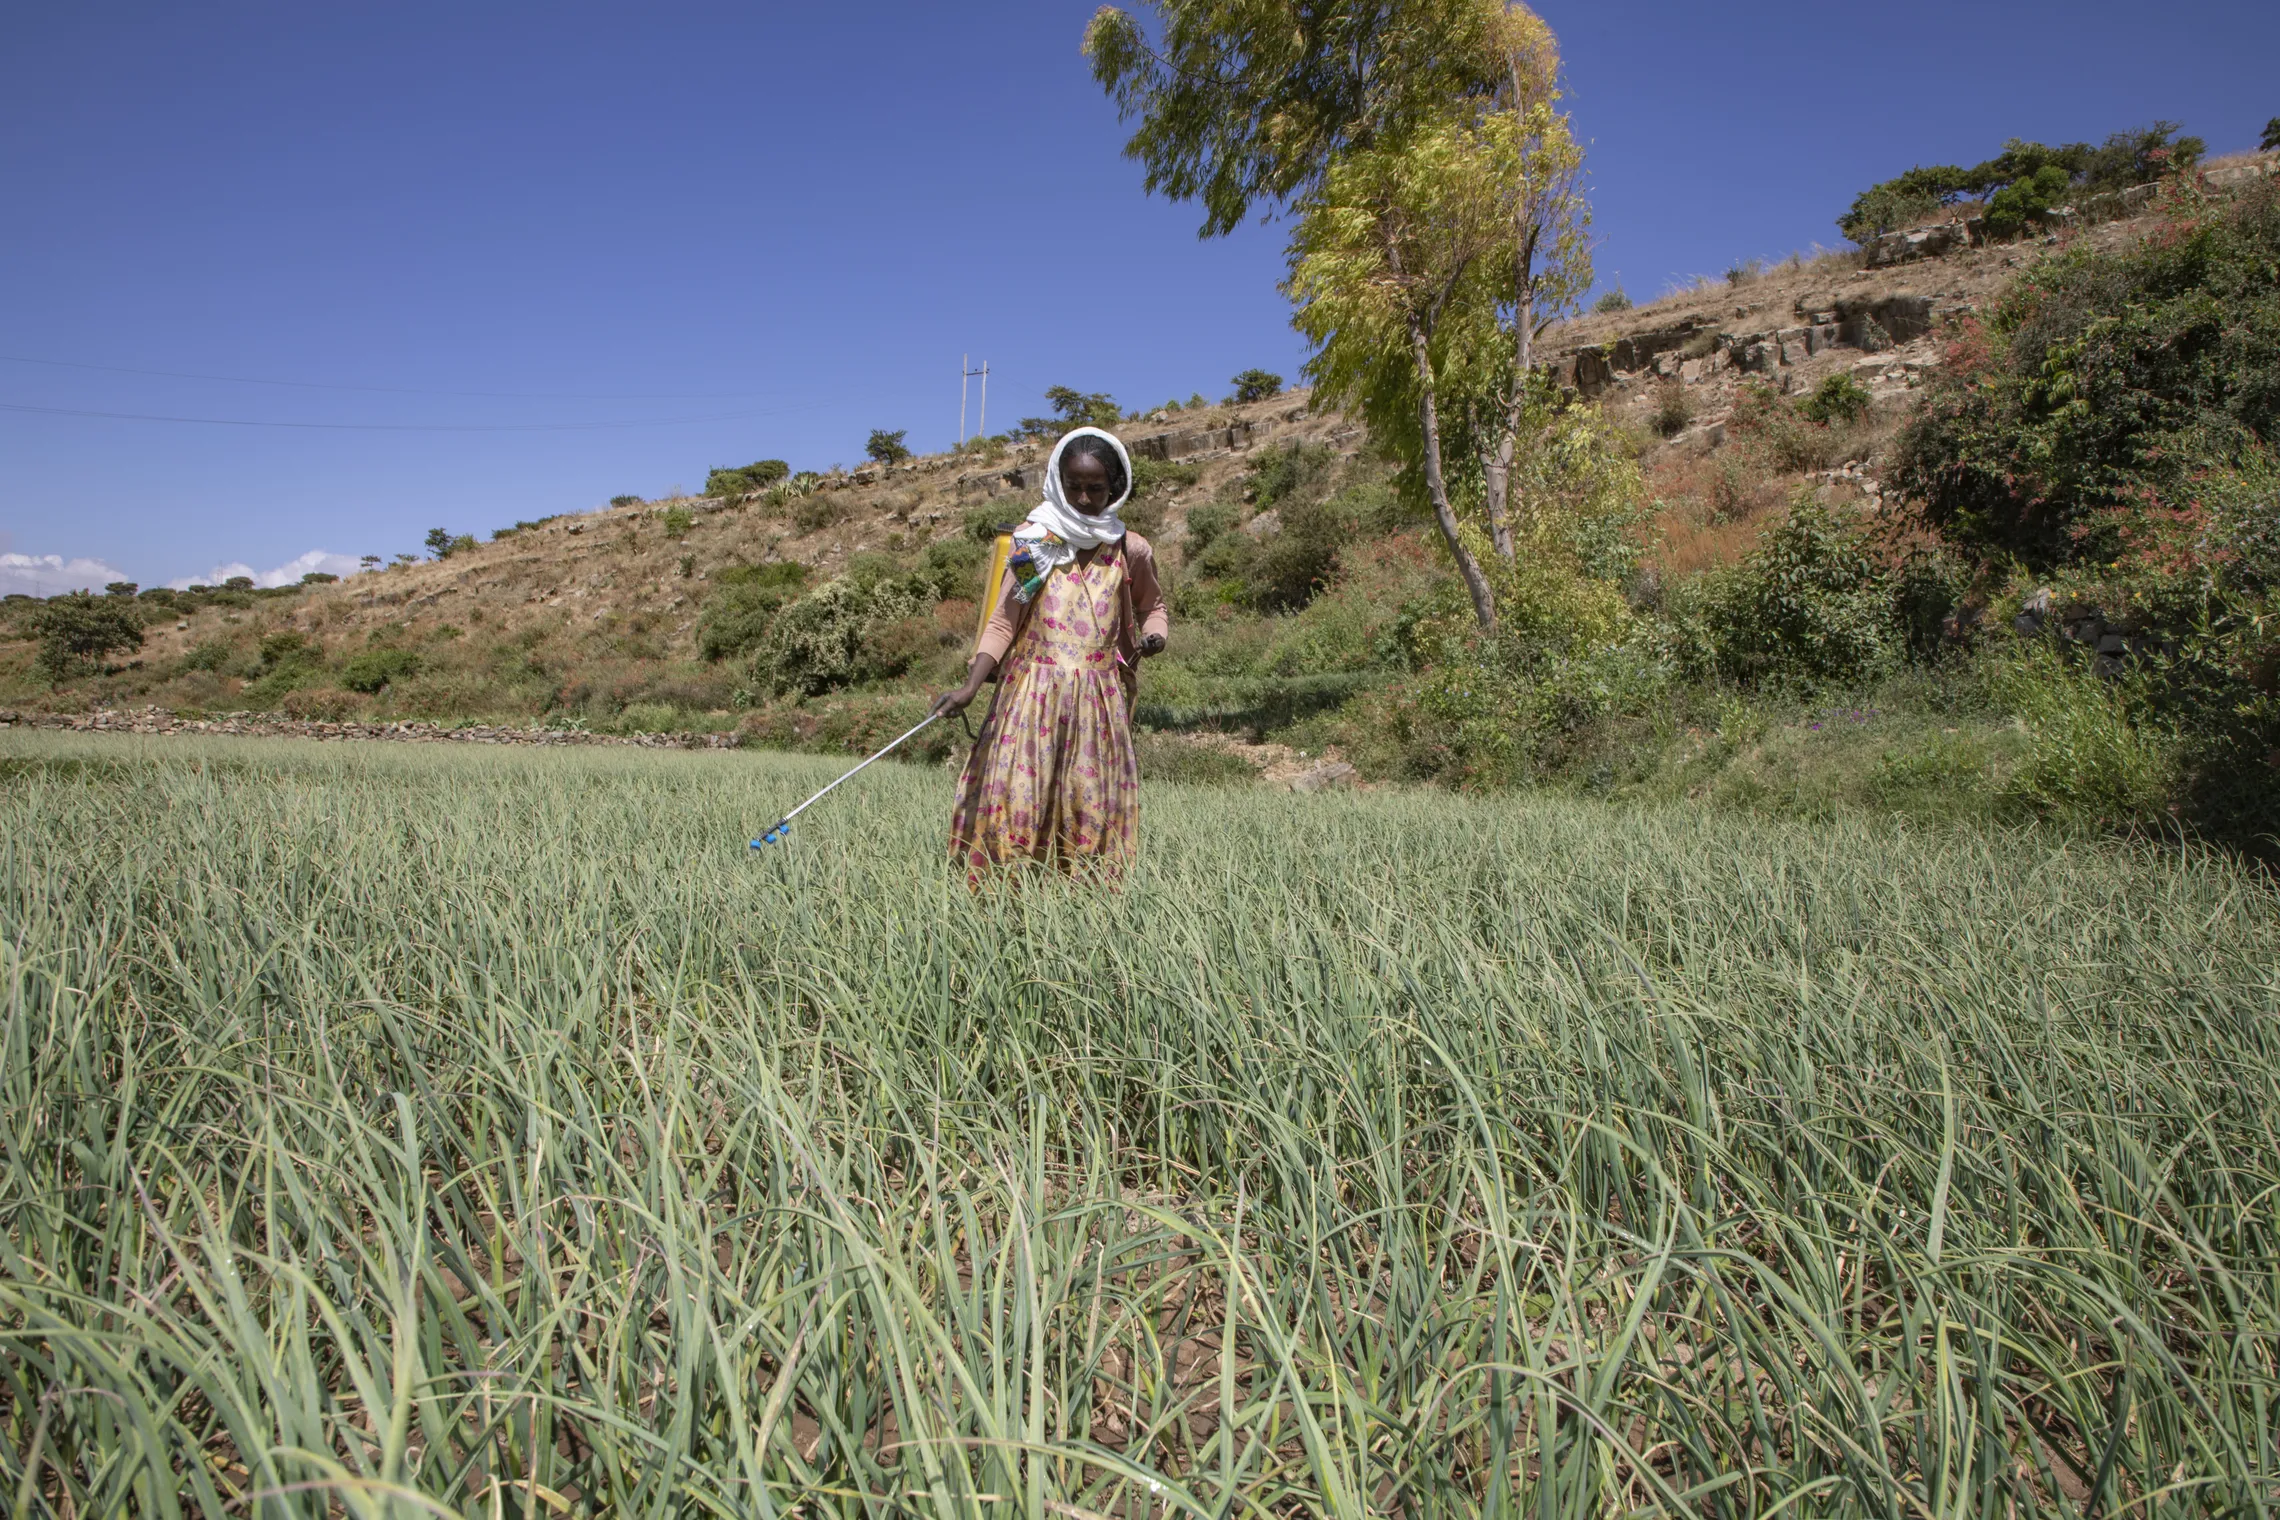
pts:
[801, 215]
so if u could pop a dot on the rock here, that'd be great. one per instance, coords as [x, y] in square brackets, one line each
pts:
[1795, 350]
[1915, 243]
[1328, 776]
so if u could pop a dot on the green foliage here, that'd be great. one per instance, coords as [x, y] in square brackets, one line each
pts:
[677, 521]
[2270, 141]
[441, 543]
[120, 588]
[289, 661]
[2077, 421]
[1613, 299]
[743, 606]
[1255, 385]
[2090, 762]
[1206, 525]
[1242, 101]
[1674, 408]
[1073, 409]
[629, 500]
[742, 480]
[210, 655]
[1810, 604]
[2028, 201]
[845, 632]
[1840, 398]
[1904, 200]
[372, 670]
[887, 447]
[2023, 182]
[75, 632]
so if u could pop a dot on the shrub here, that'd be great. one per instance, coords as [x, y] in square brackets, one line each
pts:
[2086, 761]
[2270, 141]
[1294, 470]
[123, 588]
[1206, 525]
[1073, 408]
[371, 670]
[742, 480]
[677, 521]
[1840, 398]
[629, 500]
[887, 447]
[1256, 385]
[1612, 300]
[1674, 408]
[209, 654]
[831, 637]
[441, 543]
[817, 511]
[1299, 557]
[2079, 418]
[1810, 604]
[76, 631]
[2029, 202]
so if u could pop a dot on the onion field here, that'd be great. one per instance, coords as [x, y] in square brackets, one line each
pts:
[395, 1130]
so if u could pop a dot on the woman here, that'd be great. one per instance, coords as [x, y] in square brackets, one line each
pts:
[1052, 776]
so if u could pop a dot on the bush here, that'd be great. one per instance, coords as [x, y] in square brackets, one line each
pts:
[2029, 202]
[743, 480]
[677, 521]
[1256, 385]
[2270, 141]
[372, 670]
[1840, 398]
[744, 605]
[1299, 557]
[2081, 418]
[2086, 762]
[817, 511]
[1674, 408]
[1810, 604]
[832, 637]
[76, 631]
[886, 447]
[1072, 408]
[441, 543]
[2034, 176]
[1295, 469]
[1206, 525]
[1612, 300]
[632, 501]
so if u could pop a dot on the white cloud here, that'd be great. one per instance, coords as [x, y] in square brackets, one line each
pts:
[287, 574]
[52, 574]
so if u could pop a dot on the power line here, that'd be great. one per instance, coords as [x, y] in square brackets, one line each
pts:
[387, 390]
[410, 427]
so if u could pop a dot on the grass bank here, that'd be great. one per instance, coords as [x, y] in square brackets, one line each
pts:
[395, 1130]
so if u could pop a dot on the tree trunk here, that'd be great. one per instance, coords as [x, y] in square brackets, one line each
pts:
[1437, 486]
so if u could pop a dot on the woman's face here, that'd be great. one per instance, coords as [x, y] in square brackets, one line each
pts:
[1084, 481]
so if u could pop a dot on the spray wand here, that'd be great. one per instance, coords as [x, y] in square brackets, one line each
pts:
[783, 825]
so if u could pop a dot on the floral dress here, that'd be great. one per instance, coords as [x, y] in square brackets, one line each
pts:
[1052, 776]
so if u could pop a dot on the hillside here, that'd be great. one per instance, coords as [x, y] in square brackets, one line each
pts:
[1312, 610]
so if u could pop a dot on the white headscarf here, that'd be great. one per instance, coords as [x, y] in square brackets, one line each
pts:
[1054, 531]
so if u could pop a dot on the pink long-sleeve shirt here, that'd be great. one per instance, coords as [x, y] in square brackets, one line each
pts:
[1144, 602]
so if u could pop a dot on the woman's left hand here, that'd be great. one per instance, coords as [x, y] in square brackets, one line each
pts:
[1152, 644]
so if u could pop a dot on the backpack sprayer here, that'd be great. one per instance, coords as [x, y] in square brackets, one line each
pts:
[783, 825]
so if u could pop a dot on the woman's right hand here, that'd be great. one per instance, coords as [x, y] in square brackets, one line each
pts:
[952, 703]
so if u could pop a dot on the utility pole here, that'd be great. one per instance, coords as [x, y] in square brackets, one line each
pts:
[966, 371]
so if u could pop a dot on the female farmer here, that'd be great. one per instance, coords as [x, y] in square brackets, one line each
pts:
[1052, 776]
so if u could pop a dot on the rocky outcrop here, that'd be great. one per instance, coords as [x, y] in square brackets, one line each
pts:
[1697, 348]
